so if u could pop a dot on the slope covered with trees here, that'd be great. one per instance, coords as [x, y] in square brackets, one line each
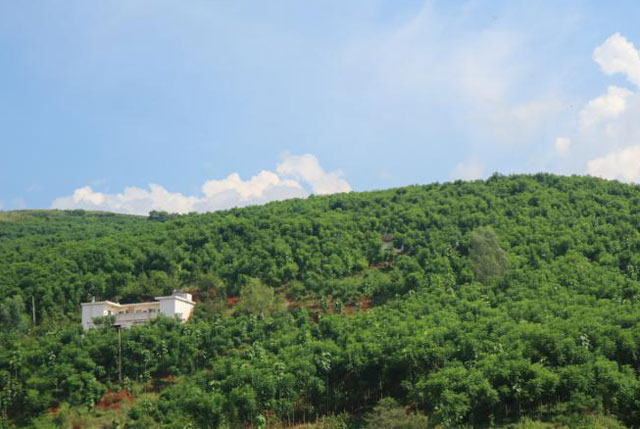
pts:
[468, 303]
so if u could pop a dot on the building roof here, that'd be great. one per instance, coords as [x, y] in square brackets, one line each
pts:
[117, 304]
[180, 296]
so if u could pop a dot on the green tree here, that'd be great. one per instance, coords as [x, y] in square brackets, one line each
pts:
[13, 314]
[259, 299]
[487, 257]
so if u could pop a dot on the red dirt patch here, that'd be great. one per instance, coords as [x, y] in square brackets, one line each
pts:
[365, 303]
[232, 300]
[113, 400]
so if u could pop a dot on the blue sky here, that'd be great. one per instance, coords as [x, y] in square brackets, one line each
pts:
[200, 105]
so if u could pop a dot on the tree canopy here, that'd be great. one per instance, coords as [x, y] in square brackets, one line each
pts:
[494, 302]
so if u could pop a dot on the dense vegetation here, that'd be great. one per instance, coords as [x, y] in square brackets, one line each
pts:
[470, 303]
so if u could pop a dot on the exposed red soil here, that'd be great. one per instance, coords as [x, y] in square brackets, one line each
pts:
[232, 300]
[113, 400]
[365, 303]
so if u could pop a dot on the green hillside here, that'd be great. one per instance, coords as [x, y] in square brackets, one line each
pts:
[506, 302]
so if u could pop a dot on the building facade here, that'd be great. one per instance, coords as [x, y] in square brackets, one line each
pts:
[179, 304]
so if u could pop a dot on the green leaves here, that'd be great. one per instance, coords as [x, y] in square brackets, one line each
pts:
[13, 314]
[487, 257]
[475, 303]
[258, 299]
[389, 414]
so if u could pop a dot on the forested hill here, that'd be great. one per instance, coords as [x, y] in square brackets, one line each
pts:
[492, 302]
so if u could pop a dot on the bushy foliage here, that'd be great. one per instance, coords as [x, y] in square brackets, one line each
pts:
[388, 414]
[257, 298]
[13, 314]
[402, 294]
[487, 257]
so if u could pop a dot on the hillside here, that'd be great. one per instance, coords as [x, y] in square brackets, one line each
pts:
[497, 302]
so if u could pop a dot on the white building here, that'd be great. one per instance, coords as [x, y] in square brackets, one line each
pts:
[179, 304]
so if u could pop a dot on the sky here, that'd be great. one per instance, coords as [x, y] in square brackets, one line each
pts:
[132, 106]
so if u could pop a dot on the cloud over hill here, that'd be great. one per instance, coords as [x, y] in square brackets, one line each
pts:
[296, 176]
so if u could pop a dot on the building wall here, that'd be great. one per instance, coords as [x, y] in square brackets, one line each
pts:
[184, 310]
[172, 307]
[127, 315]
[92, 310]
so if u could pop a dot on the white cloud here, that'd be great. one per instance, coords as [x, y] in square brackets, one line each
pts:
[132, 200]
[607, 106]
[611, 120]
[468, 170]
[308, 169]
[252, 188]
[563, 145]
[622, 165]
[618, 55]
[607, 135]
[292, 173]
[613, 142]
